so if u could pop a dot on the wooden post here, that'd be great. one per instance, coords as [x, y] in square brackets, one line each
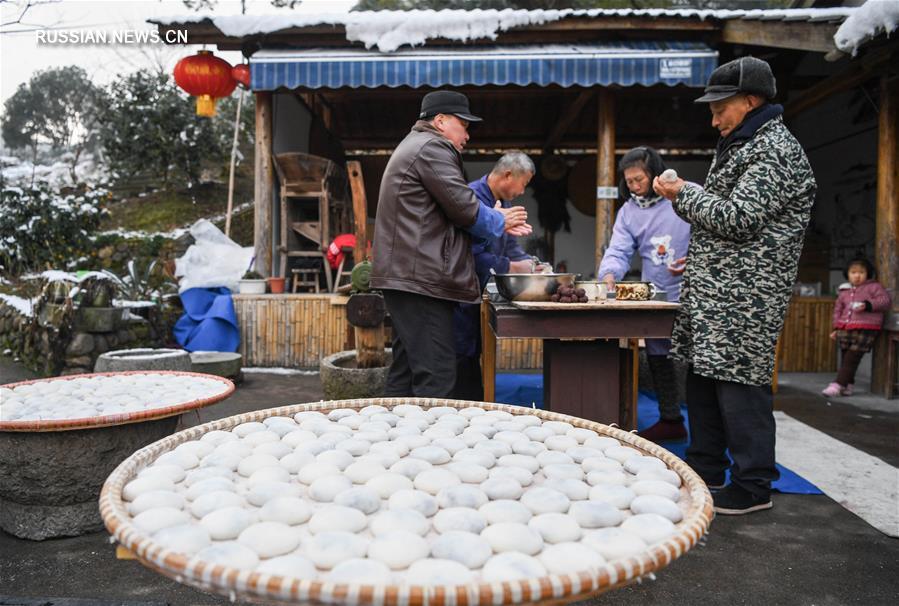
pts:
[370, 346]
[886, 230]
[488, 352]
[606, 188]
[264, 184]
[360, 210]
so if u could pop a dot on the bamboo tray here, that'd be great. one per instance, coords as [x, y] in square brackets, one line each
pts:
[117, 419]
[259, 587]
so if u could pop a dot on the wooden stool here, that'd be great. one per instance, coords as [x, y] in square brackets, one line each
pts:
[305, 278]
[347, 252]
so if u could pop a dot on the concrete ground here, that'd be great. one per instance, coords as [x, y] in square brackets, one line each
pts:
[807, 550]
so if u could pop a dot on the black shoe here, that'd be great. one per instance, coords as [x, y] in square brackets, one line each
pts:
[733, 500]
[714, 482]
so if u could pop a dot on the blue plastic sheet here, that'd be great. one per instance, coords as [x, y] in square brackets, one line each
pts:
[209, 322]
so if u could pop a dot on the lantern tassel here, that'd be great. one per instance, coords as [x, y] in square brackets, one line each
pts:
[206, 106]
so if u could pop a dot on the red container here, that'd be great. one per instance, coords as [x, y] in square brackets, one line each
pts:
[275, 285]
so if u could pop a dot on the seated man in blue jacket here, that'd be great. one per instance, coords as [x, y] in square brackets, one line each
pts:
[505, 182]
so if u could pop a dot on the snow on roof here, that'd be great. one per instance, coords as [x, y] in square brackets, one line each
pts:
[869, 21]
[24, 306]
[389, 30]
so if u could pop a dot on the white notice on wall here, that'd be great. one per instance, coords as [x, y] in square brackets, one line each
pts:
[675, 68]
[606, 193]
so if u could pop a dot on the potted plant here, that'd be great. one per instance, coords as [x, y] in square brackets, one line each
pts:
[275, 285]
[252, 283]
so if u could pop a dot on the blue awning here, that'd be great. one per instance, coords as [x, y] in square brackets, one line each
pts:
[623, 63]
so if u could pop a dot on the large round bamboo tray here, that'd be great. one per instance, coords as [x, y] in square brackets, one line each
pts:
[258, 587]
[51, 471]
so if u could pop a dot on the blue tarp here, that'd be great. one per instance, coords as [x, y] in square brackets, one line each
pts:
[527, 390]
[209, 322]
[621, 63]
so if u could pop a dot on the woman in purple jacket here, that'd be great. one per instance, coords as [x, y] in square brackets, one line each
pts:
[648, 225]
[857, 318]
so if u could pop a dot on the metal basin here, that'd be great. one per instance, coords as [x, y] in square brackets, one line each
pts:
[531, 287]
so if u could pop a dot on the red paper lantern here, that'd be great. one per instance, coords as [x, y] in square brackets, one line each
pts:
[206, 77]
[241, 73]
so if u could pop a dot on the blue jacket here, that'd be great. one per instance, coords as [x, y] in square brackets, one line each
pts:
[488, 254]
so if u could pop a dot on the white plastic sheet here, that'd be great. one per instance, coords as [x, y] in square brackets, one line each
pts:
[214, 260]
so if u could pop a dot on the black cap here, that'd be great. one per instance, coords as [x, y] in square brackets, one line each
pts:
[446, 102]
[746, 75]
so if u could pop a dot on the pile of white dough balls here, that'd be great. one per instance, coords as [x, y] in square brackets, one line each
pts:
[411, 495]
[103, 395]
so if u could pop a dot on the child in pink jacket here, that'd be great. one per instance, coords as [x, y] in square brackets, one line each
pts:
[857, 318]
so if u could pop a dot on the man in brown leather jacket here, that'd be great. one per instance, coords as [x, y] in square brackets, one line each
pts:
[422, 246]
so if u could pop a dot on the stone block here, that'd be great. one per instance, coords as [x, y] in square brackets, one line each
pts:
[81, 344]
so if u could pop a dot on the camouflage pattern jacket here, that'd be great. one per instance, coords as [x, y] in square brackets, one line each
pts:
[748, 225]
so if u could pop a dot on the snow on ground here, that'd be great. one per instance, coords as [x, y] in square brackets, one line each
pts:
[17, 172]
[173, 234]
[277, 371]
[870, 20]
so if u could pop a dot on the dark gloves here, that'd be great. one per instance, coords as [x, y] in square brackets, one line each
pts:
[868, 306]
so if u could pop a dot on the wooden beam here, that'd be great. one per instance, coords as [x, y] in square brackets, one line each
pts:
[360, 210]
[795, 35]
[264, 185]
[570, 114]
[856, 73]
[886, 222]
[605, 173]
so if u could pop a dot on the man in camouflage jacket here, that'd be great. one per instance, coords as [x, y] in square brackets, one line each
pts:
[748, 225]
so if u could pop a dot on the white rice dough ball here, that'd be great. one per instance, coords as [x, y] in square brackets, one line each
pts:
[399, 450]
[614, 543]
[502, 488]
[464, 519]
[470, 412]
[561, 443]
[339, 413]
[432, 454]
[528, 448]
[553, 457]
[511, 536]
[437, 432]
[639, 463]
[650, 527]
[462, 495]
[398, 549]
[512, 566]
[217, 437]
[204, 473]
[621, 453]
[290, 565]
[298, 436]
[538, 433]
[615, 494]
[268, 474]
[314, 447]
[228, 522]
[173, 473]
[326, 488]
[580, 453]
[362, 498]
[276, 449]
[386, 484]
[545, 500]
[410, 467]
[360, 571]
[651, 503]
[152, 521]
[185, 538]
[354, 446]
[470, 473]
[372, 409]
[406, 409]
[386, 417]
[565, 558]
[229, 460]
[313, 471]
[496, 448]
[363, 471]
[519, 474]
[254, 463]
[558, 427]
[435, 572]
[217, 499]
[477, 456]
[656, 487]
[556, 527]
[262, 493]
[327, 549]
[354, 421]
[516, 460]
[601, 442]
[470, 550]
[245, 429]
[195, 447]
[336, 518]
[393, 520]
[595, 514]
[601, 464]
[581, 434]
[473, 435]
[286, 510]
[237, 447]
[510, 437]
[575, 490]
[451, 445]
[231, 554]
[432, 481]
[663, 475]
[595, 478]
[154, 499]
[295, 461]
[505, 510]
[564, 471]
[416, 500]
[261, 437]
[139, 486]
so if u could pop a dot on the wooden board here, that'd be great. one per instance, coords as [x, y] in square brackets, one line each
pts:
[592, 305]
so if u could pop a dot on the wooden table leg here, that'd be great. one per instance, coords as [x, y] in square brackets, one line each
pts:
[488, 353]
[580, 378]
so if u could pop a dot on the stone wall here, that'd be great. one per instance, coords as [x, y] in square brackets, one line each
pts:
[48, 347]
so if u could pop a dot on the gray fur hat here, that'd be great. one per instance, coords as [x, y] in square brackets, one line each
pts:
[744, 75]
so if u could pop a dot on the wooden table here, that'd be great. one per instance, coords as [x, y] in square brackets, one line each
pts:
[583, 363]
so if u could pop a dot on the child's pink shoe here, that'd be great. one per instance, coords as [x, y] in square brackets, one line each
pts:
[834, 390]
[847, 391]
